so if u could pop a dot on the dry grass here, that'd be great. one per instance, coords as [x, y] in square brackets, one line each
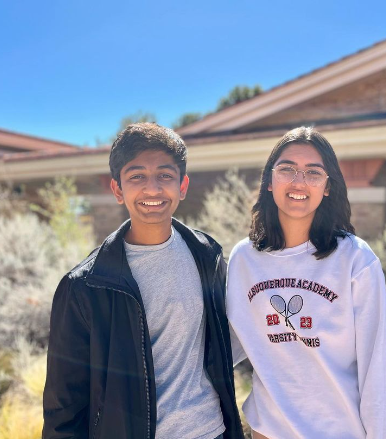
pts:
[33, 377]
[5, 371]
[21, 404]
[20, 419]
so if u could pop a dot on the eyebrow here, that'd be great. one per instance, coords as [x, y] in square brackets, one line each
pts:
[171, 167]
[308, 165]
[141, 168]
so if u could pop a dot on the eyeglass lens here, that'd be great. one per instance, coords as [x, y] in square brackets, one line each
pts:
[312, 176]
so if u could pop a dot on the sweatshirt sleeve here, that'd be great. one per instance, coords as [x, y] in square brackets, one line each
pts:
[67, 389]
[238, 353]
[369, 297]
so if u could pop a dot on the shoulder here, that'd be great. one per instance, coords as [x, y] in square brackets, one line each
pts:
[72, 281]
[356, 246]
[358, 251]
[105, 259]
[84, 267]
[243, 248]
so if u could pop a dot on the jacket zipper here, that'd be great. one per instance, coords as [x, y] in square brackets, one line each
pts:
[96, 422]
[147, 391]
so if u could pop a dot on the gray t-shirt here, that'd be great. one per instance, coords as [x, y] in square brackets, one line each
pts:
[188, 407]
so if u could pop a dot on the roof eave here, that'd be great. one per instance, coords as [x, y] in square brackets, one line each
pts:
[323, 80]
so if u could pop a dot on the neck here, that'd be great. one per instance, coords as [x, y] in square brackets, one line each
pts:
[296, 231]
[149, 234]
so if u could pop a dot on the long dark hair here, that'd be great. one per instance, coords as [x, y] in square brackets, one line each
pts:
[332, 217]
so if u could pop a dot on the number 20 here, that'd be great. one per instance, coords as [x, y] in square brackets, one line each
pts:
[272, 319]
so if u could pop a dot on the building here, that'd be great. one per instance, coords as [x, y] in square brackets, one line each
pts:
[345, 100]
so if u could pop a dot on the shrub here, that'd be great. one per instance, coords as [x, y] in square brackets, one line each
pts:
[34, 255]
[30, 259]
[61, 207]
[226, 213]
[11, 201]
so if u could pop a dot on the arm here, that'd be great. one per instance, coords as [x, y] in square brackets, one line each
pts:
[369, 296]
[67, 389]
[238, 353]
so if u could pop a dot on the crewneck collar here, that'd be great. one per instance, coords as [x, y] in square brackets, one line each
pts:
[155, 247]
[293, 251]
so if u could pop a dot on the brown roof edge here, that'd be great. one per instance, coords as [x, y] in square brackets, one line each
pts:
[278, 132]
[26, 141]
[43, 155]
[326, 66]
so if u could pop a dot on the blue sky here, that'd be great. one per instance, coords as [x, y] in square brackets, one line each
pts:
[70, 70]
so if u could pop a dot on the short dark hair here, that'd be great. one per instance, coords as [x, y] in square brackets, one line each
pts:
[144, 136]
[332, 217]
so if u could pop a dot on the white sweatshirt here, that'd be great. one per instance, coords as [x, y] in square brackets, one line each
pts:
[315, 333]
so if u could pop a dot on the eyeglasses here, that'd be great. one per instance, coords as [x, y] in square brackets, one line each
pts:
[312, 176]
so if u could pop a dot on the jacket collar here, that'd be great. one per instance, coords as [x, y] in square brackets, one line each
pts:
[110, 256]
[111, 264]
[198, 241]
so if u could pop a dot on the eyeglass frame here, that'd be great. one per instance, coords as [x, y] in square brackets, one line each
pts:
[296, 174]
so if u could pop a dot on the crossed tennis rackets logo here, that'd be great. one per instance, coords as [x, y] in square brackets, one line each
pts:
[295, 304]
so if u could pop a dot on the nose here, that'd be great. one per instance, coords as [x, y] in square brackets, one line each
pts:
[299, 178]
[152, 187]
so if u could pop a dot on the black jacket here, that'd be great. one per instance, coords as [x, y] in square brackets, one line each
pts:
[100, 377]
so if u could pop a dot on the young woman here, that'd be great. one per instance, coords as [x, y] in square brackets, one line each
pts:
[307, 302]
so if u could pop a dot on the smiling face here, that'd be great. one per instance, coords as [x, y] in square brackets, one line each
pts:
[296, 200]
[151, 190]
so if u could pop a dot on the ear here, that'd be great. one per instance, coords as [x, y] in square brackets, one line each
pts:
[117, 191]
[270, 187]
[184, 187]
[326, 192]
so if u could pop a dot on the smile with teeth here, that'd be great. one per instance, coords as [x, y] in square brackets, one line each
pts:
[152, 203]
[297, 196]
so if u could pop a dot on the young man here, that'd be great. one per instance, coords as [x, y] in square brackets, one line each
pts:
[139, 344]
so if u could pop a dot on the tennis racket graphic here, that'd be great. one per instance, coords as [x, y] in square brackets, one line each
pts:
[295, 304]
